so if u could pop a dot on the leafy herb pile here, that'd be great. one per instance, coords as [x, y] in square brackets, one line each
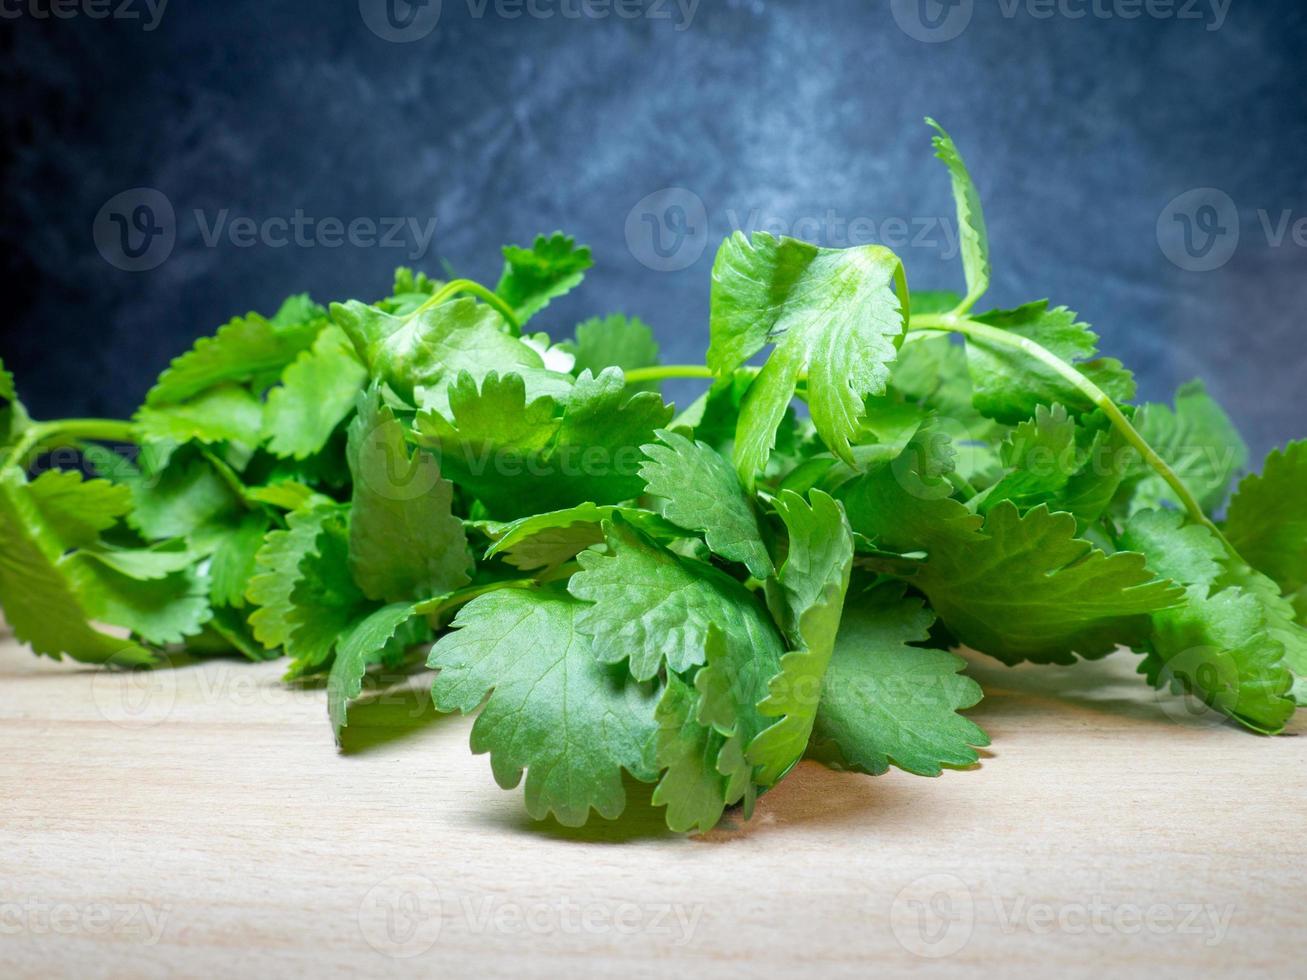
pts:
[699, 599]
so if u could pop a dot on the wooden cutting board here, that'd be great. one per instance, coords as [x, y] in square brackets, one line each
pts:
[200, 822]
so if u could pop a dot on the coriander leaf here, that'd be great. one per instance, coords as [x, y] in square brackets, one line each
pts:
[554, 710]
[234, 560]
[1041, 455]
[247, 350]
[74, 511]
[1009, 384]
[521, 457]
[143, 564]
[297, 311]
[535, 276]
[831, 312]
[38, 601]
[410, 291]
[404, 540]
[1199, 442]
[1267, 522]
[547, 540]
[185, 496]
[324, 600]
[614, 341]
[1228, 642]
[7, 392]
[1026, 588]
[359, 648]
[430, 348]
[813, 580]
[651, 606]
[693, 788]
[316, 393]
[885, 701]
[166, 610]
[277, 565]
[973, 237]
[225, 413]
[703, 493]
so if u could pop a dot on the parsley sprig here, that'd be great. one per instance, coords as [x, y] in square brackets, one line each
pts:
[696, 599]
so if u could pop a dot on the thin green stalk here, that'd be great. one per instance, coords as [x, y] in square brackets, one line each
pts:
[69, 431]
[952, 323]
[662, 372]
[457, 286]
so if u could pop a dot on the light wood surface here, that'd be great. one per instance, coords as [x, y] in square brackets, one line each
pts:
[200, 822]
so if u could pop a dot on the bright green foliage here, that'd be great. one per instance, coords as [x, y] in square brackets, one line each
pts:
[521, 456]
[972, 236]
[652, 607]
[1267, 522]
[363, 645]
[1200, 443]
[833, 313]
[812, 583]
[887, 700]
[1009, 385]
[404, 540]
[553, 710]
[614, 341]
[247, 351]
[422, 353]
[696, 600]
[533, 277]
[316, 393]
[703, 493]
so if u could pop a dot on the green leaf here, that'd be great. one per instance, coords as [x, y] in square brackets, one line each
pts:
[248, 350]
[972, 236]
[144, 564]
[277, 565]
[547, 540]
[1233, 642]
[831, 312]
[38, 601]
[703, 493]
[186, 495]
[651, 606]
[1009, 384]
[225, 413]
[535, 276]
[1042, 456]
[74, 511]
[1267, 522]
[7, 392]
[1199, 442]
[316, 394]
[693, 788]
[404, 541]
[361, 647]
[813, 581]
[554, 710]
[324, 601]
[885, 701]
[234, 561]
[166, 610]
[522, 457]
[429, 349]
[614, 341]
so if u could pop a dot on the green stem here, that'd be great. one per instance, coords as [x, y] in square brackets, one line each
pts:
[68, 431]
[457, 286]
[662, 372]
[953, 323]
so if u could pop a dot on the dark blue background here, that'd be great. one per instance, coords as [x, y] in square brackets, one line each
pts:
[1079, 131]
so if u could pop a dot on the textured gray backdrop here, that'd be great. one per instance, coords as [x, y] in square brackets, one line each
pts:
[1083, 120]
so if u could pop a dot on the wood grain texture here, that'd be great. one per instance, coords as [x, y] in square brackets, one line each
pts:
[200, 822]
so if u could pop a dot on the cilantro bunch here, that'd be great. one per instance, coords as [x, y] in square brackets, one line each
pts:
[695, 599]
